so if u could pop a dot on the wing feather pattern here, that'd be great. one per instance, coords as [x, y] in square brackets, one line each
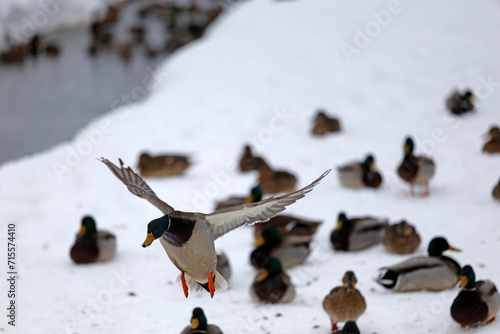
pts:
[136, 185]
[227, 219]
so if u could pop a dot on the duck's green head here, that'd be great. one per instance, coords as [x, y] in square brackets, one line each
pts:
[88, 226]
[270, 236]
[342, 222]
[349, 279]
[438, 245]
[255, 195]
[272, 267]
[156, 228]
[369, 163]
[198, 320]
[409, 145]
[350, 327]
[467, 278]
[468, 95]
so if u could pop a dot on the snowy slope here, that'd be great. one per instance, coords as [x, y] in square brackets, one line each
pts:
[258, 76]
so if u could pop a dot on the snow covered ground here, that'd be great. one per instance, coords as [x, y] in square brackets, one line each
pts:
[259, 75]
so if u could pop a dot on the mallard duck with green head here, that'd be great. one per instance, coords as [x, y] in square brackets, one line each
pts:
[272, 284]
[357, 233]
[401, 238]
[272, 244]
[163, 165]
[350, 327]
[92, 245]
[188, 237]
[477, 303]
[493, 144]
[435, 272]
[344, 302]
[324, 124]
[415, 170]
[460, 103]
[199, 324]
[360, 174]
[255, 196]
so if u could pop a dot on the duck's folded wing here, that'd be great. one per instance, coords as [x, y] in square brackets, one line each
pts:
[415, 263]
[136, 185]
[227, 219]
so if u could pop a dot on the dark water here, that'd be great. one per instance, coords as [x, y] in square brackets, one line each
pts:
[46, 100]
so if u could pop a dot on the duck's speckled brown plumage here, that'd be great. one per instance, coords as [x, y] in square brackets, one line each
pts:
[324, 124]
[415, 170]
[274, 181]
[162, 165]
[401, 238]
[344, 302]
[493, 145]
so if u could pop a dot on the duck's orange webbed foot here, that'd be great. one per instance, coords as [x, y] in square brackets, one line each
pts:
[184, 285]
[211, 287]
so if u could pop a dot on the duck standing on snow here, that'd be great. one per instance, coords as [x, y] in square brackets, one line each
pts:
[92, 245]
[435, 272]
[188, 237]
[223, 266]
[350, 327]
[493, 145]
[272, 244]
[255, 196]
[199, 324]
[324, 124]
[345, 302]
[272, 284]
[357, 233]
[247, 160]
[416, 170]
[360, 174]
[496, 191]
[291, 228]
[459, 104]
[162, 165]
[477, 303]
[401, 238]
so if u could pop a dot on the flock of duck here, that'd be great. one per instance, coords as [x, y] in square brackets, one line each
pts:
[181, 25]
[282, 241]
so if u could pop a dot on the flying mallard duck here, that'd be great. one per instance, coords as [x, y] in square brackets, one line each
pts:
[360, 174]
[92, 245]
[357, 233]
[291, 228]
[188, 237]
[199, 324]
[493, 145]
[271, 244]
[477, 303]
[401, 238]
[496, 191]
[435, 272]
[350, 327]
[345, 302]
[255, 196]
[272, 284]
[459, 104]
[324, 124]
[162, 165]
[416, 170]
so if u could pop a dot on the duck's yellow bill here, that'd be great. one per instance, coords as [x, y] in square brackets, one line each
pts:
[454, 249]
[82, 231]
[149, 240]
[195, 323]
[262, 275]
[250, 199]
[259, 242]
[463, 281]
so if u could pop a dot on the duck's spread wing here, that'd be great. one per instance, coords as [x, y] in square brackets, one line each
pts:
[227, 219]
[136, 185]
